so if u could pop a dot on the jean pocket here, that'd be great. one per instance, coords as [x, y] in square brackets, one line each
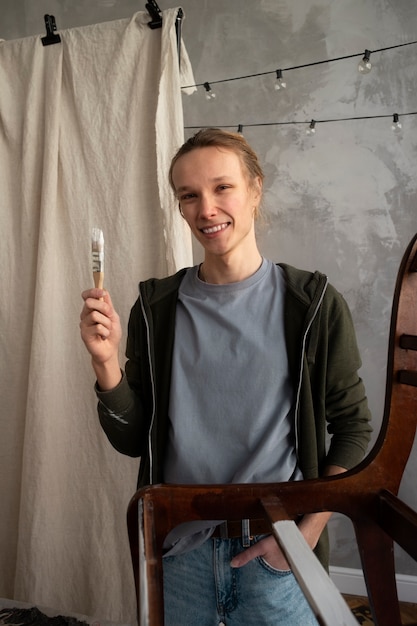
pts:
[271, 569]
[264, 563]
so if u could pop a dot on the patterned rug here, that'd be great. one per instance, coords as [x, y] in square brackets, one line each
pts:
[34, 617]
[363, 615]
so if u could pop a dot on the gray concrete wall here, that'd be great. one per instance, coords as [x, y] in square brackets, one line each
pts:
[342, 201]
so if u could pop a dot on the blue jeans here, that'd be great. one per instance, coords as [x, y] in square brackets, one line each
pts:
[201, 589]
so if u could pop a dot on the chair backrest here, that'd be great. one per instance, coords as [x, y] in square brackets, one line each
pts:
[361, 493]
[396, 436]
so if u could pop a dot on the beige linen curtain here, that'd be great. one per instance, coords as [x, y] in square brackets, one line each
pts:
[87, 129]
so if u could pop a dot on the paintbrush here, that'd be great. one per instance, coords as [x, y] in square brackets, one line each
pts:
[97, 251]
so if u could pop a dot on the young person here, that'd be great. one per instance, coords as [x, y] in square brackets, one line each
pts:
[235, 370]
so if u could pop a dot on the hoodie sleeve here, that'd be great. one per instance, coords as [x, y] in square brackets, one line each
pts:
[347, 411]
[122, 412]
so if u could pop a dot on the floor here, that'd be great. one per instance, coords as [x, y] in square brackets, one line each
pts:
[408, 611]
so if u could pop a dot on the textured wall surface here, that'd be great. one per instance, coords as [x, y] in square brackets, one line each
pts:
[342, 201]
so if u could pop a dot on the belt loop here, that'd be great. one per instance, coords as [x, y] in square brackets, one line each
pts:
[224, 534]
[246, 537]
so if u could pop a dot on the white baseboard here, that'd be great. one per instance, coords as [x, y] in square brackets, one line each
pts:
[352, 582]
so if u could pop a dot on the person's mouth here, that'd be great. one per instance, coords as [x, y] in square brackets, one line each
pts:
[210, 230]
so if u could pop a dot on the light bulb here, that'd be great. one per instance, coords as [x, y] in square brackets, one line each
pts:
[280, 82]
[365, 65]
[396, 124]
[240, 129]
[312, 128]
[209, 94]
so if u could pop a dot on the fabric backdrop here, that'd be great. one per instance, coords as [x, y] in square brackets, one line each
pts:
[87, 130]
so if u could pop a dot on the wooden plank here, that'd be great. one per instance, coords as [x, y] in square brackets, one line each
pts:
[407, 377]
[322, 594]
[399, 521]
[408, 342]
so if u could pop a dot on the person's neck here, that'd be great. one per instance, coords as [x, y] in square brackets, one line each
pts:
[221, 271]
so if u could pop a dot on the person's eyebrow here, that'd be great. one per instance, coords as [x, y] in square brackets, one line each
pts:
[216, 179]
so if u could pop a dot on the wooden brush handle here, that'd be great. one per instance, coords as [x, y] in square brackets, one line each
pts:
[98, 280]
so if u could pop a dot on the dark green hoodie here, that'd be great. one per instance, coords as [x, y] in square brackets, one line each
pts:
[323, 359]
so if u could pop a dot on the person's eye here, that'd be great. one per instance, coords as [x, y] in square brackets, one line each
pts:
[187, 196]
[223, 187]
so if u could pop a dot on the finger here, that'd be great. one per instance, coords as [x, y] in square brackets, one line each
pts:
[92, 331]
[91, 311]
[91, 293]
[247, 555]
[99, 331]
[96, 304]
[96, 294]
[95, 318]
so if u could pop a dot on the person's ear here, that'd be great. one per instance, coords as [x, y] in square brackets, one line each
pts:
[257, 185]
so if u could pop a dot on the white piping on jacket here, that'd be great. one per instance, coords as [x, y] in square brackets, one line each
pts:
[116, 416]
[300, 379]
[153, 390]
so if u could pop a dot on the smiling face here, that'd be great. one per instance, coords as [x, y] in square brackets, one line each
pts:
[217, 199]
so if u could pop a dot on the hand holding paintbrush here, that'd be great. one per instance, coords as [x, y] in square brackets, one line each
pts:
[100, 323]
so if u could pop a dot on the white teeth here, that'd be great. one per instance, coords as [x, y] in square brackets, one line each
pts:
[214, 229]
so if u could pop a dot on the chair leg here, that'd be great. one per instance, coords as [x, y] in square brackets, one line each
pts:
[151, 584]
[377, 556]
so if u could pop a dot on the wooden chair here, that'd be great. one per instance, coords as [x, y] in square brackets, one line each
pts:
[366, 494]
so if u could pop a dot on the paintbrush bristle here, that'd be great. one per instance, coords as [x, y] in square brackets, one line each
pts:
[97, 249]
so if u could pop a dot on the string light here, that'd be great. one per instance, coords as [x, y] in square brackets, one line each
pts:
[365, 66]
[312, 124]
[280, 82]
[240, 129]
[396, 124]
[312, 128]
[209, 93]
[296, 67]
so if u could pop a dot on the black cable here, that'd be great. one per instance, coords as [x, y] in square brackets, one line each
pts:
[297, 67]
[298, 122]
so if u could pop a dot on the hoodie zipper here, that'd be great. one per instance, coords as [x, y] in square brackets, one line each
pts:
[148, 336]
[300, 378]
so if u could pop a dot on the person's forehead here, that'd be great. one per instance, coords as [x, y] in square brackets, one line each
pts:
[212, 161]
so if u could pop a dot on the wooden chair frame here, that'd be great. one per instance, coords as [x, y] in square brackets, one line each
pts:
[367, 494]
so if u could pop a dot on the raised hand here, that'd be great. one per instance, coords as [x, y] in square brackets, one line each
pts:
[101, 333]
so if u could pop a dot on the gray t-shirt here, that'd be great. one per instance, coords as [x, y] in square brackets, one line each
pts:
[231, 400]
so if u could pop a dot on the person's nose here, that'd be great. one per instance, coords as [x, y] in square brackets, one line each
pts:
[207, 206]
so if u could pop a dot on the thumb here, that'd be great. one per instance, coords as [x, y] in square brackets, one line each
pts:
[247, 555]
